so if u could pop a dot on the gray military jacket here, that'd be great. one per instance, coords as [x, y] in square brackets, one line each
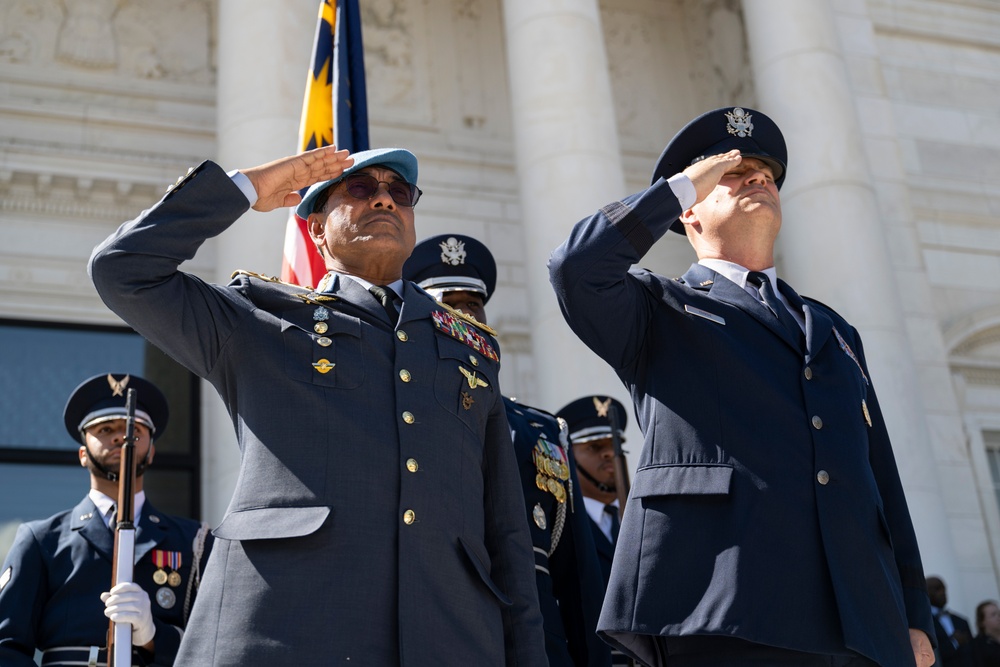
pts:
[378, 516]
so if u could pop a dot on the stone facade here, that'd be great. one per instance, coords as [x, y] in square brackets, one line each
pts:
[528, 114]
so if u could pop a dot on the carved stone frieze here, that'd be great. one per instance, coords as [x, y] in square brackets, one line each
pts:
[67, 196]
[145, 39]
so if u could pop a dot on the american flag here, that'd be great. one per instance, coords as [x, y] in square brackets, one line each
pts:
[335, 110]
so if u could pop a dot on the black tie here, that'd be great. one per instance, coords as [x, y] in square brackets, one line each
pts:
[771, 300]
[615, 523]
[113, 518]
[387, 298]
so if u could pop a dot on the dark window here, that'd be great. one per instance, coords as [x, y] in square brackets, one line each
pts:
[40, 472]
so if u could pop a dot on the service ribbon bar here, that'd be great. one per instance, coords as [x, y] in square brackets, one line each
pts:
[459, 330]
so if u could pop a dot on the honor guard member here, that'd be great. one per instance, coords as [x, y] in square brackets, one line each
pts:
[54, 583]
[766, 522]
[589, 422]
[593, 449]
[460, 271]
[377, 517]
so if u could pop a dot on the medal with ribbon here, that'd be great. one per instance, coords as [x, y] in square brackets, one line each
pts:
[552, 468]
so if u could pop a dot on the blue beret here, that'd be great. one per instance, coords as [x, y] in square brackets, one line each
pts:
[102, 398]
[451, 263]
[400, 160]
[720, 131]
[589, 417]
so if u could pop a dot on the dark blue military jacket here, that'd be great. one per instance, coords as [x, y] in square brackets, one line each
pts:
[766, 503]
[377, 516]
[570, 586]
[60, 566]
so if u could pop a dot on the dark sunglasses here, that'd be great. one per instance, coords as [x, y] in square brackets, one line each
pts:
[364, 187]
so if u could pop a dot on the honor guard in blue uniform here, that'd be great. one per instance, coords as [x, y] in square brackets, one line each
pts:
[589, 422]
[377, 519]
[766, 522]
[460, 271]
[55, 581]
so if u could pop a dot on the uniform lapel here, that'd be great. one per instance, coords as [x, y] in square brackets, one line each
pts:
[149, 532]
[89, 523]
[725, 290]
[354, 292]
[604, 545]
[417, 304]
[819, 326]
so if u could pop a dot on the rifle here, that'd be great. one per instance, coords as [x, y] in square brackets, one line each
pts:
[120, 634]
[622, 483]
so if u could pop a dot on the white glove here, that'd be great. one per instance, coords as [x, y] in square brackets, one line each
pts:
[128, 603]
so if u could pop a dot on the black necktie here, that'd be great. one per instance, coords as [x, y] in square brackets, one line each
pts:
[615, 523]
[771, 300]
[113, 518]
[387, 298]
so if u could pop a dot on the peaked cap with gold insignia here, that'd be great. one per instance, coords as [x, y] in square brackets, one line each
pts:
[589, 418]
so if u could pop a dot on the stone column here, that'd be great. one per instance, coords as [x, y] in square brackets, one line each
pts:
[263, 59]
[832, 243]
[568, 165]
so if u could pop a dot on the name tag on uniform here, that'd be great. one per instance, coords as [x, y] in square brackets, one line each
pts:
[704, 313]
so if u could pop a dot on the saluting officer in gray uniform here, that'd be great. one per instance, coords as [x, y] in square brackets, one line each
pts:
[377, 517]
[766, 522]
[460, 271]
[55, 581]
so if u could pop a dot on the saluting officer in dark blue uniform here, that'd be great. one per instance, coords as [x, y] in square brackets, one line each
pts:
[766, 521]
[53, 583]
[460, 271]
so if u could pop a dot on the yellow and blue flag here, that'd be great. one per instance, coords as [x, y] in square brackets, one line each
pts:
[334, 111]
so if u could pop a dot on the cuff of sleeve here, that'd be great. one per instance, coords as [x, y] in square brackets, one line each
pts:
[683, 189]
[241, 181]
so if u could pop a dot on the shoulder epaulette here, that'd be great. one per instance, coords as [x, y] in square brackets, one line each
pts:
[261, 276]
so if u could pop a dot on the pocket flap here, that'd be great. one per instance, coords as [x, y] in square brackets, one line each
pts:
[682, 479]
[480, 567]
[269, 523]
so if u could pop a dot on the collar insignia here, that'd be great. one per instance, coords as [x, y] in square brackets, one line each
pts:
[739, 123]
[315, 299]
[452, 251]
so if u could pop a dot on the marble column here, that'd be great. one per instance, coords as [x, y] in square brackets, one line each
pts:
[568, 165]
[832, 244]
[263, 59]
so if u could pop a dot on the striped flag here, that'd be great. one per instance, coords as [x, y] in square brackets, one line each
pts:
[335, 110]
